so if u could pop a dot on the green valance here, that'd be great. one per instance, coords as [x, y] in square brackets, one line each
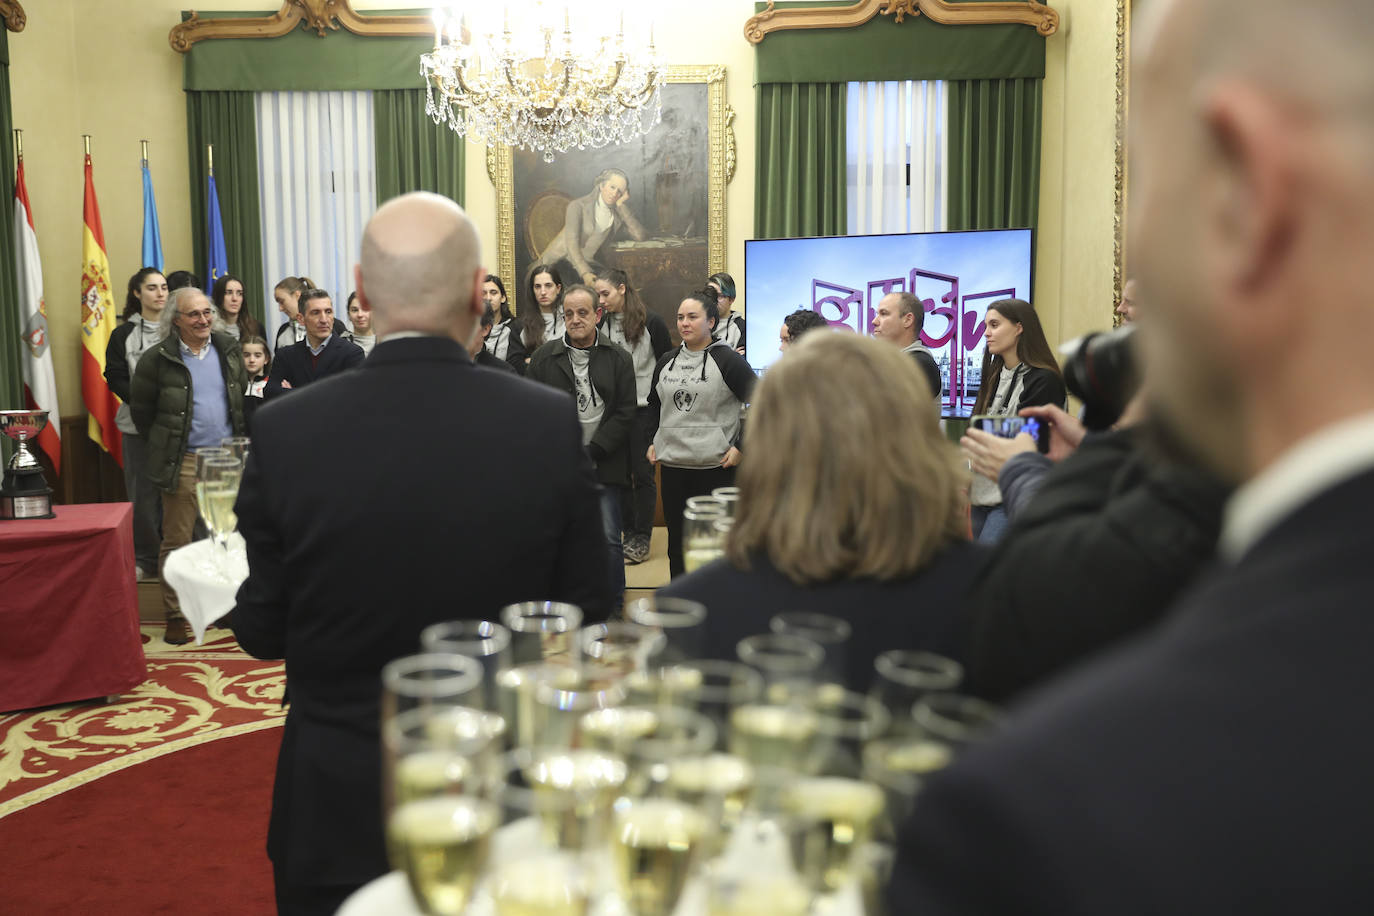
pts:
[882, 49]
[303, 61]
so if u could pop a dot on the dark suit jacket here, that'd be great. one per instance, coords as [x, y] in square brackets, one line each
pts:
[350, 559]
[293, 364]
[1219, 765]
[921, 612]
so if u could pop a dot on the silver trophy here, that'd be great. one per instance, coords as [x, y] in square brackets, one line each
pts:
[24, 493]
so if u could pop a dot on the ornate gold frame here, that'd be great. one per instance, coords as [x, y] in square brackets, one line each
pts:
[1024, 12]
[720, 139]
[1121, 181]
[14, 15]
[316, 14]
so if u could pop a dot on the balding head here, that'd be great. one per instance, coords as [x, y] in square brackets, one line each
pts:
[1252, 217]
[421, 268]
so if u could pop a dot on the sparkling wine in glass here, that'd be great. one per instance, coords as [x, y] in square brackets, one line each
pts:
[654, 845]
[442, 843]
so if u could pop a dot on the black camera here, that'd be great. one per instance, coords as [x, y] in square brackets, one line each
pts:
[1103, 371]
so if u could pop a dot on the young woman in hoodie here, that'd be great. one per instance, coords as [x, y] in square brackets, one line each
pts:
[143, 305]
[695, 398]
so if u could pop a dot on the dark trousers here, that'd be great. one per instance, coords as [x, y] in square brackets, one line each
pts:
[147, 501]
[309, 900]
[679, 485]
[642, 494]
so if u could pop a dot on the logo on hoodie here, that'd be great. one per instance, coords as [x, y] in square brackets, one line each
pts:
[684, 400]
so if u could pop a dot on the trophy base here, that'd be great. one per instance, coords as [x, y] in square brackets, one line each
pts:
[21, 498]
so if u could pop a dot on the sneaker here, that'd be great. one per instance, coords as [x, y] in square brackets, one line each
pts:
[637, 549]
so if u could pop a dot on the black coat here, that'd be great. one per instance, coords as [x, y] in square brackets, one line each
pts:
[1102, 549]
[920, 612]
[487, 360]
[372, 506]
[1219, 764]
[294, 366]
[613, 376]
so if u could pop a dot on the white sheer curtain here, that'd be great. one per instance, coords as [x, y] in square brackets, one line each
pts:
[317, 181]
[896, 151]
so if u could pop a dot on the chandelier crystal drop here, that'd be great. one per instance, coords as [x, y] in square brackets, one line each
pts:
[543, 76]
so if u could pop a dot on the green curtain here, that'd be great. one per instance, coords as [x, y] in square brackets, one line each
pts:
[226, 121]
[412, 153]
[12, 351]
[994, 153]
[883, 49]
[800, 166]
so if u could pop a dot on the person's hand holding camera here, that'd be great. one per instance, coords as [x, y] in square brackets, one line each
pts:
[987, 453]
[1066, 432]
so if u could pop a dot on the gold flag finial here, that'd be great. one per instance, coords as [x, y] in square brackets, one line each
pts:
[87, 138]
[145, 151]
[210, 154]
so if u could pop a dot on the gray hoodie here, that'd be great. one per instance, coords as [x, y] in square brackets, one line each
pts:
[695, 400]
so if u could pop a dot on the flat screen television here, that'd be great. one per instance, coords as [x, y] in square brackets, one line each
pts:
[955, 274]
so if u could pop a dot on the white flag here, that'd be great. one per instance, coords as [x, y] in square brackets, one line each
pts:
[40, 387]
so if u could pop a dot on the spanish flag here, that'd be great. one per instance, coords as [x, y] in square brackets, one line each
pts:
[97, 324]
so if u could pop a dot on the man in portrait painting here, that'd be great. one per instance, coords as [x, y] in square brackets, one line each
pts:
[591, 223]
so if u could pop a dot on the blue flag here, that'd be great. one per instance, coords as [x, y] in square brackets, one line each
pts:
[216, 260]
[152, 235]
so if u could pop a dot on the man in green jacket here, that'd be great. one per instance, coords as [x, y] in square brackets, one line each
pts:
[187, 394]
[601, 379]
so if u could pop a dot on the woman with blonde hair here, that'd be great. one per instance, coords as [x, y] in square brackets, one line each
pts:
[851, 504]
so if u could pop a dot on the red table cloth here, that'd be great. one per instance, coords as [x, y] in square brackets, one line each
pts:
[68, 607]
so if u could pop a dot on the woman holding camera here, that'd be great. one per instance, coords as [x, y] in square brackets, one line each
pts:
[1019, 370]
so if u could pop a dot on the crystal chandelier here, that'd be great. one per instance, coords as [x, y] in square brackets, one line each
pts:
[538, 86]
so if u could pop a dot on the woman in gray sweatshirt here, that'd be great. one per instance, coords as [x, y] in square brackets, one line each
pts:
[695, 399]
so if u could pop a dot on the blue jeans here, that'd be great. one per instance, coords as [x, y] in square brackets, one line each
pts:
[611, 498]
[989, 523]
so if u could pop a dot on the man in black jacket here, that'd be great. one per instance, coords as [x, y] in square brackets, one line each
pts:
[322, 353]
[899, 319]
[1220, 763]
[601, 379]
[449, 534]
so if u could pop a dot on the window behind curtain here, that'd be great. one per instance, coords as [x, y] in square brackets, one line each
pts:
[896, 154]
[317, 181]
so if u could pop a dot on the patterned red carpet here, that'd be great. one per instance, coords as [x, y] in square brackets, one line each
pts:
[193, 695]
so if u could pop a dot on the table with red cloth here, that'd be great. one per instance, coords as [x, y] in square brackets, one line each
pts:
[69, 607]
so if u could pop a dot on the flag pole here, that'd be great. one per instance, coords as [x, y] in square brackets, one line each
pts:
[19, 144]
[210, 152]
[145, 151]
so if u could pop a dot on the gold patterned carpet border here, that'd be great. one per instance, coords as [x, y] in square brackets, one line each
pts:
[192, 695]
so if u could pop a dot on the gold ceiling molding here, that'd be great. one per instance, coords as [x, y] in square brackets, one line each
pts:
[13, 12]
[1021, 12]
[319, 15]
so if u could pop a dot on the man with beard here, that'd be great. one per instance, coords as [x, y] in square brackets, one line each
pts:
[1217, 764]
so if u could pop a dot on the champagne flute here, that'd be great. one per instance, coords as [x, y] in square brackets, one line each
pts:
[830, 633]
[487, 642]
[681, 622]
[904, 678]
[728, 497]
[429, 680]
[781, 657]
[515, 697]
[955, 720]
[237, 446]
[712, 686]
[541, 630]
[221, 490]
[655, 843]
[721, 785]
[429, 752]
[559, 707]
[616, 648]
[442, 843]
[203, 455]
[677, 733]
[572, 792]
[702, 543]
